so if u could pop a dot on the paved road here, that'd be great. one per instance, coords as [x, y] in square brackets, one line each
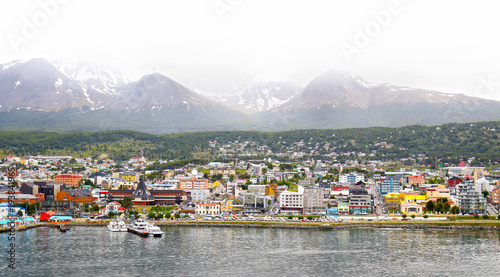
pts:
[491, 211]
[378, 200]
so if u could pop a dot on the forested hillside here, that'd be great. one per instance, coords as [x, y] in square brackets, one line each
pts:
[446, 143]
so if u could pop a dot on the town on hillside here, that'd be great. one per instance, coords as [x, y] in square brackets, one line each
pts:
[63, 188]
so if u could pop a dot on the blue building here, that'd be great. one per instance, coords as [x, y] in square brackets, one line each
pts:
[390, 184]
[332, 210]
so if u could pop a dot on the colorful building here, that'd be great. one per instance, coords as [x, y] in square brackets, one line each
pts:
[71, 180]
[75, 195]
[416, 180]
[226, 206]
[343, 207]
[412, 197]
[411, 208]
[440, 192]
[392, 201]
[193, 183]
[208, 208]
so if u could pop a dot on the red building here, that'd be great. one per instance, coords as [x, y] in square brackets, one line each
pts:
[453, 181]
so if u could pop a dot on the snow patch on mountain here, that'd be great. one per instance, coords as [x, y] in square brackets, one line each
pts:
[257, 97]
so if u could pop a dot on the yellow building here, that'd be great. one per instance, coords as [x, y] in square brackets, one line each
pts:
[415, 198]
[479, 173]
[440, 192]
[272, 189]
[392, 201]
[343, 207]
[131, 176]
[226, 206]
[214, 185]
[411, 208]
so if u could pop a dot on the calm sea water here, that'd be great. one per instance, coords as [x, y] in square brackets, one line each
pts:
[202, 251]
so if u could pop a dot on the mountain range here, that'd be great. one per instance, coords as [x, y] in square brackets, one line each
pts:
[58, 96]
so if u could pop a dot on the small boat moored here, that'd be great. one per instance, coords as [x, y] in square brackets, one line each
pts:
[117, 226]
[145, 229]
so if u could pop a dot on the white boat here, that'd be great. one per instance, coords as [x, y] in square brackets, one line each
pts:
[145, 229]
[155, 231]
[117, 226]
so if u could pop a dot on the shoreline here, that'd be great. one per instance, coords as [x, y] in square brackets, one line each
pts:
[472, 225]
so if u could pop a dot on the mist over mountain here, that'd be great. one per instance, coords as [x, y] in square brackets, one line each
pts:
[79, 96]
[338, 99]
[257, 97]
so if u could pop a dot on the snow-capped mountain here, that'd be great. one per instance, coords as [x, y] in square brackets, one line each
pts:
[103, 79]
[37, 85]
[257, 97]
[36, 95]
[339, 99]
[338, 89]
[157, 91]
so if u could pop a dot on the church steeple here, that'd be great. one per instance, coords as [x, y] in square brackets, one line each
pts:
[141, 195]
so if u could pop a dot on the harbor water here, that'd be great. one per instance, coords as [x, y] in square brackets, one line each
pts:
[216, 251]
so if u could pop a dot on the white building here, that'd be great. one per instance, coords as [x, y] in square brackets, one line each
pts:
[292, 202]
[5, 211]
[482, 185]
[199, 194]
[352, 178]
[210, 208]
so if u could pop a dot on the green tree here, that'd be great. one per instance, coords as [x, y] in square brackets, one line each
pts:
[231, 177]
[177, 215]
[19, 213]
[485, 193]
[476, 216]
[429, 205]
[87, 182]
[426, 216]
[111, 214]
[126, 202]
[446, 207]
[486, 216]
[439, 207]
[95, 208]
[403, 216]
[455, 210]
[413, 216]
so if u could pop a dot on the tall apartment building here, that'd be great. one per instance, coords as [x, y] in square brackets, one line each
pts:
[292, 202]
[469, 200]
[390, 184]
[313, 201]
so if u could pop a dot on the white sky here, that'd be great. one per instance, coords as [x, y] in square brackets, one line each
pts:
[450, 46]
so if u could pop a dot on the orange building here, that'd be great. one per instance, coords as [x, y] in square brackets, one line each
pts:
[75, 195]
[71, 180]
[192, 183]
[416, 180]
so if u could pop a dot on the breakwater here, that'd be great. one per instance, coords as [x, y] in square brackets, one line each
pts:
[318, 226]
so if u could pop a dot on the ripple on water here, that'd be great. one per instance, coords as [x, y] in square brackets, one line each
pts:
[199, 251]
